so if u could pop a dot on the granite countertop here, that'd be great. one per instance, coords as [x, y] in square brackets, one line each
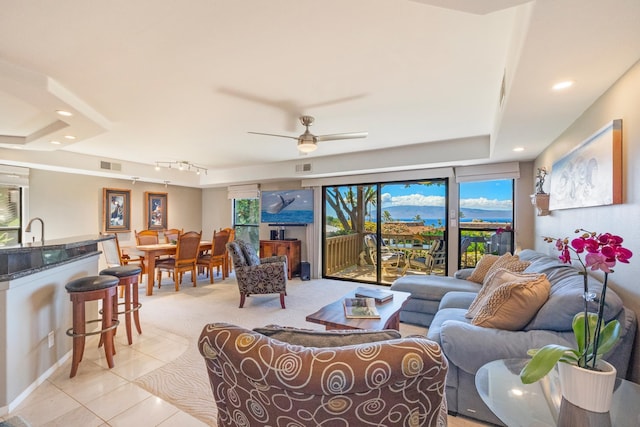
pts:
[29, 258]
[67, 242]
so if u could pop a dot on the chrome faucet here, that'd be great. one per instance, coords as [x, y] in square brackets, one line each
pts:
[28, 229]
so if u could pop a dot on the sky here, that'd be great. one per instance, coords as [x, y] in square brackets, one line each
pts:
[491, 195]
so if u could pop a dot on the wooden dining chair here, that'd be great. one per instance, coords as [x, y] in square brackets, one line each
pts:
[186, 257]
[217, 256]
[171, 235]
[115, 256]
[147, 237]
[228, 264]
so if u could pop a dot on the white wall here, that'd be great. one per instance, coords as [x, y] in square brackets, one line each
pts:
[71, 205]
[619, 102]
[217, 211]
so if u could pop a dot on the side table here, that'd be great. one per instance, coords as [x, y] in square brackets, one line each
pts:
[541, 403]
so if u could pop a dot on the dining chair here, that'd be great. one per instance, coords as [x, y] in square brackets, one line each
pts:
[232, 237]
[147, 237]
[114, 255]
[218, 255]
[185, 260]
[171, 235]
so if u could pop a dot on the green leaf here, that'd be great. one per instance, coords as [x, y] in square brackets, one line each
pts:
[544, 360]
[608, 337]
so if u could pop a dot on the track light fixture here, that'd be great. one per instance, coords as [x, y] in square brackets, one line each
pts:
[182, 165]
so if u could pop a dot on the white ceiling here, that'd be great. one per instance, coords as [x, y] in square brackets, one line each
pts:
[170, 80]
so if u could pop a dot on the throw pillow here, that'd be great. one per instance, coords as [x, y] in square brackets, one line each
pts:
[512, 305]
[315, 338]
[495, 279]
[486, 261]
[249, 253]
[508, 262]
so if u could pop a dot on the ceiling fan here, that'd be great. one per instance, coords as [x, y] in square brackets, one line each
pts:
[307, 142]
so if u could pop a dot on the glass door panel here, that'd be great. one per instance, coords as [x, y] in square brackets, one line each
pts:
[379, 232]
[348, 213]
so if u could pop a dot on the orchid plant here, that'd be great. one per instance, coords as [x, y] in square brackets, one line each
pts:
[601, 252]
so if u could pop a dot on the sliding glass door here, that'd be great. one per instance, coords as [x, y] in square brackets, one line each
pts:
[381, 231]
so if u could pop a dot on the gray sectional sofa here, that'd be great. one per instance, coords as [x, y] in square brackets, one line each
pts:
[441, 303]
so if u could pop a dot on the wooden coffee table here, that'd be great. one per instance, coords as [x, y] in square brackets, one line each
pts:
[332, 315]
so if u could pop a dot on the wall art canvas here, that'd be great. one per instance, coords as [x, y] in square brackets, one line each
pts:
[287, 207]
[116, 210]
[156, 210]
[591, 173]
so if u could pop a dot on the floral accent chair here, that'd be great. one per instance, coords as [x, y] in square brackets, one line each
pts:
[259, 380]
[255, 275]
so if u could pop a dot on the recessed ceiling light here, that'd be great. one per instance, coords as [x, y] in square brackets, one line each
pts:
[55, 142]
[518, 149]
[64, 113]
[562, 85]
[70, 137]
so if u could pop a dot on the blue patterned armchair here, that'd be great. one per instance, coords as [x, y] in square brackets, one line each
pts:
[255, 275]
[369, 378]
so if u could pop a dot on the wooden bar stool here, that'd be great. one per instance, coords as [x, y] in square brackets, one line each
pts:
[128, 280]
[92, 288]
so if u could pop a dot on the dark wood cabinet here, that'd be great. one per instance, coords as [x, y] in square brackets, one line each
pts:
[289, 248]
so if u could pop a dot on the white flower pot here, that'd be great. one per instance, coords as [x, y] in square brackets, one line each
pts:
[590, 390]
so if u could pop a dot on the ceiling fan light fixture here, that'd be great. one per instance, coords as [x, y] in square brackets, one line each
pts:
[307, 146]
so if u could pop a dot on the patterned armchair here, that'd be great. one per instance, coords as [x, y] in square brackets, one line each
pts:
[255, 275]
[259, 380]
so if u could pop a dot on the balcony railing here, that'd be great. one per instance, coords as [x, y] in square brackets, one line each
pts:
[342, 252]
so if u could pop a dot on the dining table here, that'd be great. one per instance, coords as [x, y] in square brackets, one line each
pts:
[151, 252]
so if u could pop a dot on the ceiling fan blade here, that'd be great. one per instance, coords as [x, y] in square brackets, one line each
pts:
[336, 136]
[273, 134]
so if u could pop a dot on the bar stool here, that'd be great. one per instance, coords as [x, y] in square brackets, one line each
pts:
[127, 278]
[92, 288]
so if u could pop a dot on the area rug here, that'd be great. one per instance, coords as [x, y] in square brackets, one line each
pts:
[184, 381]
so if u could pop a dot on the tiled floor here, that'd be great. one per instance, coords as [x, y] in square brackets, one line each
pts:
[99, 397]
[102, 397]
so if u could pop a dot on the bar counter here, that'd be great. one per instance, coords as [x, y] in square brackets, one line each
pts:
[35, 310]
[29, 258]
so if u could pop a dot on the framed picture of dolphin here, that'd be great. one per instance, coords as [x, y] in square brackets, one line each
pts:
[286, 207]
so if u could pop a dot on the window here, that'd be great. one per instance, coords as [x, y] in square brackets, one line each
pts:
[246, 218]
[486, 219]
[10, 214]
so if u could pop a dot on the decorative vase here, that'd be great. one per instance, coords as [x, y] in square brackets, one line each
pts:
[587, 389]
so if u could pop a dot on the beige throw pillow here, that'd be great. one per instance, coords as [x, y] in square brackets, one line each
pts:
[508, 262]
[495, 279]
[485, 263]
[513, 303]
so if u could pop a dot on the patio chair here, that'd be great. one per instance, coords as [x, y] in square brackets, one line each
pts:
[390, 260]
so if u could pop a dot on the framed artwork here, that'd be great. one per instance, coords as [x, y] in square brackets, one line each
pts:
[116, 210]
[591, 173]
[155, 210]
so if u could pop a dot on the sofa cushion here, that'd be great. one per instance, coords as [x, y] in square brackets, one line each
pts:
[513, 303]
[565, 296]
[482, 267]
[315, 338]
[432, 287]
